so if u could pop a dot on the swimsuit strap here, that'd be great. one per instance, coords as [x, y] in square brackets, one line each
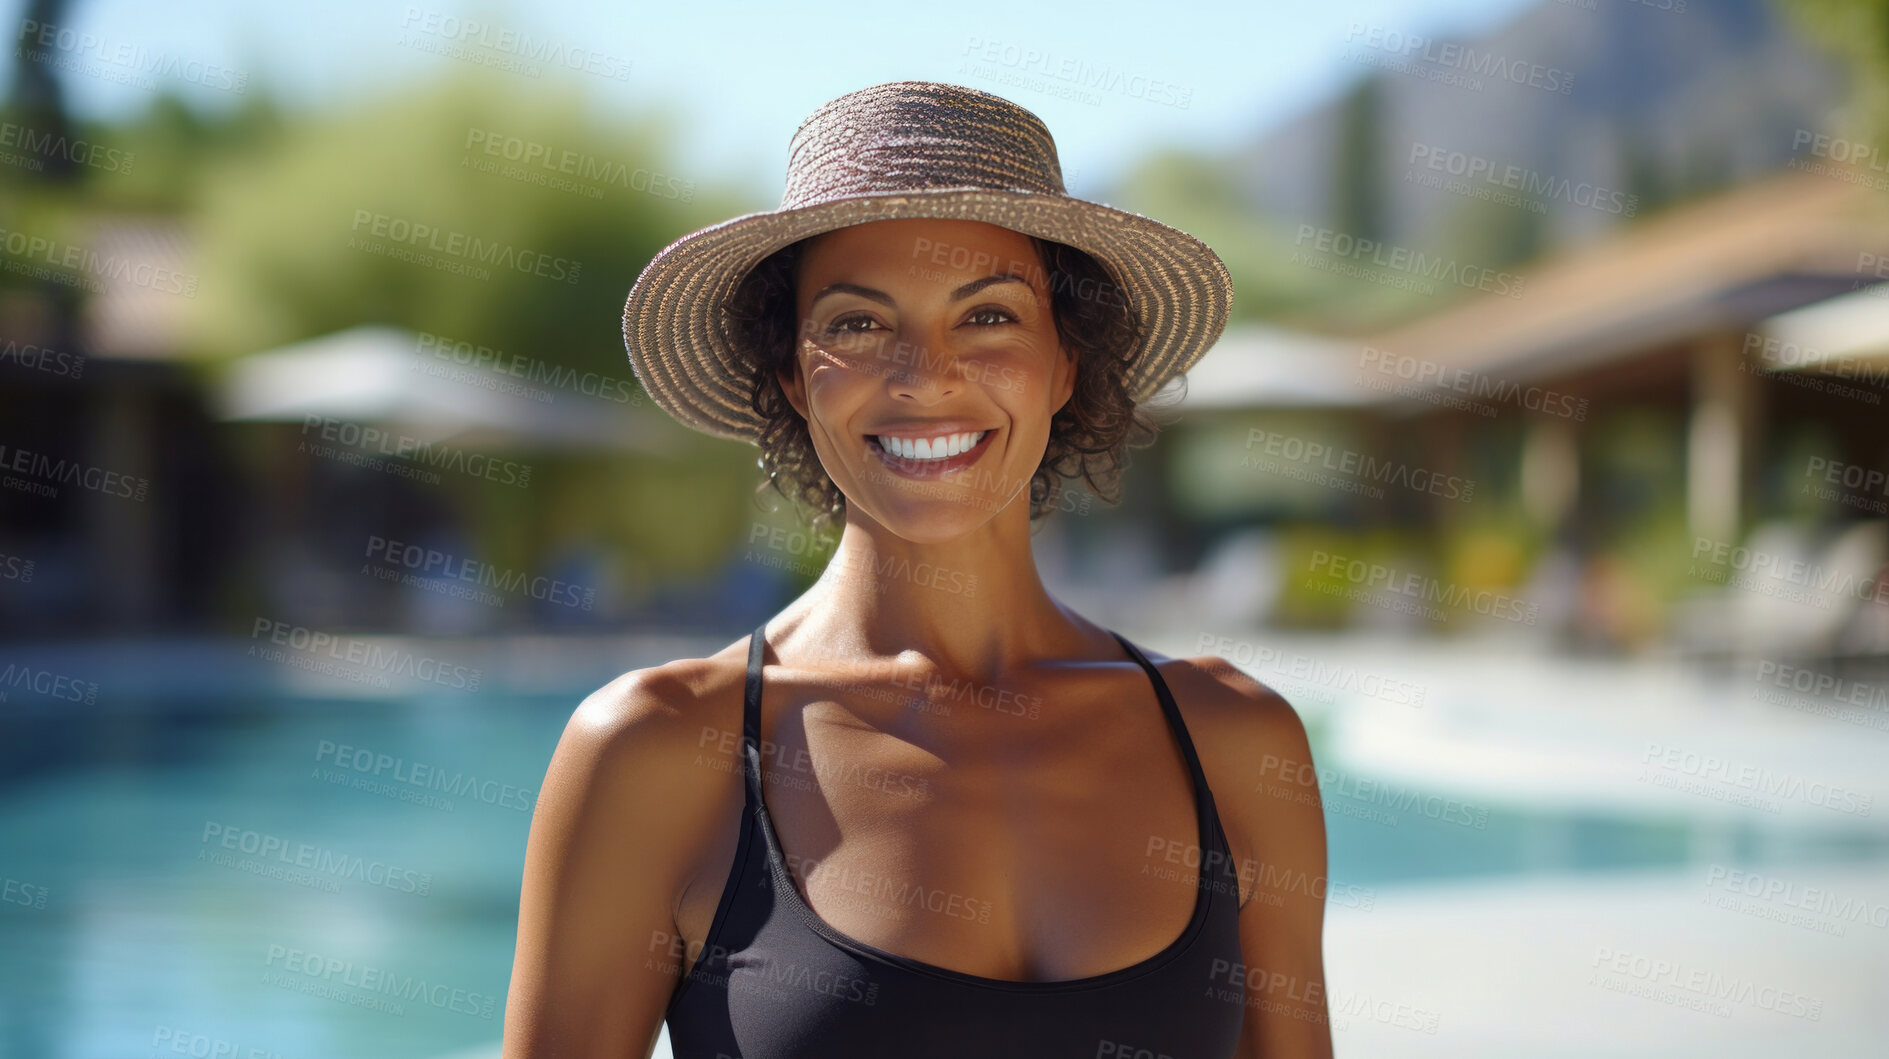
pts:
[751, 717]
[1173, 713]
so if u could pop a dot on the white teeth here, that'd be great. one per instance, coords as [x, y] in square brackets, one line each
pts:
[940, 448]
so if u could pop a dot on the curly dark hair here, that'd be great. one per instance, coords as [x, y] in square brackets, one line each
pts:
[1089, 436]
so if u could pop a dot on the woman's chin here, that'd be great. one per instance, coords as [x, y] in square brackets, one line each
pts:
[928, 521]
[944, 515]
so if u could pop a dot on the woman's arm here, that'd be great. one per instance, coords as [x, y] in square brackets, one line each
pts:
[613, 840]
[1268, 792]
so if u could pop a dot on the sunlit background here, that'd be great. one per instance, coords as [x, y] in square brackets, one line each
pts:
[1543, 468]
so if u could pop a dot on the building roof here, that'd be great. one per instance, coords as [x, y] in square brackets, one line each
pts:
[1729, 261]
[1848, 334]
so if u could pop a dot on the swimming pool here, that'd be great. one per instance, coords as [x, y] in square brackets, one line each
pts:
[299, 877]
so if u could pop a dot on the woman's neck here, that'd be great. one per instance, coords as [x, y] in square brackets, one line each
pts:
[974, 605]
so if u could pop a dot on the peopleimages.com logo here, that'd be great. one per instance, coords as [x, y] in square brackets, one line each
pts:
[420, 776]
[417, 561]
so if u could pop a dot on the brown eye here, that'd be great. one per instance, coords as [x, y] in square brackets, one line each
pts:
[1003, 315]
[844, 324]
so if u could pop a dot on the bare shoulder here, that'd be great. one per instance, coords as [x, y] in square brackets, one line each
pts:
[644, 710]
[644, 761]
[664, 735]
[1254, 748]
[1257, 756]
[1231, 710]
[618, 834]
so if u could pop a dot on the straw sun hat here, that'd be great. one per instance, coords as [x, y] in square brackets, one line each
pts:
[897, 150]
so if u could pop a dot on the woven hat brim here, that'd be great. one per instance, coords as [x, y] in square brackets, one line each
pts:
[686, 361]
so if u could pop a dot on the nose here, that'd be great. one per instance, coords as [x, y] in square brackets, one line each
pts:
[922, 373]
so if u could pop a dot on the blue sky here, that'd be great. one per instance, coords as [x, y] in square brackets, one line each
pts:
[741, 76]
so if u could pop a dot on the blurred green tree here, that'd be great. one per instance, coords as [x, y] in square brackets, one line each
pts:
[1358, 169]
[314, 223]
[1201, 196]
[1857, 31]
[284, 232]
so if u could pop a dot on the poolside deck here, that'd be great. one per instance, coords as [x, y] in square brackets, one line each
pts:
[1554, 967]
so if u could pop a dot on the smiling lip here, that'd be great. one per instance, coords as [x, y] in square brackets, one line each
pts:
[923, 469]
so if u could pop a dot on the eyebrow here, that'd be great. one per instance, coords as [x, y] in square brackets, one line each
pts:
[886, 299]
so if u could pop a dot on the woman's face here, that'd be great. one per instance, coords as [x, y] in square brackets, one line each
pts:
[934, 337]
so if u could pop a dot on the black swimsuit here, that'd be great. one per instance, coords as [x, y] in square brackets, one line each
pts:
[774, 981]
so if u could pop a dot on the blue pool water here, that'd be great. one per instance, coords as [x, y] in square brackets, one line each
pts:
[328, 878]
[156, 926]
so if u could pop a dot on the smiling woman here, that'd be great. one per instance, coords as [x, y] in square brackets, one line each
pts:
[778, 858]
[1089, 435]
